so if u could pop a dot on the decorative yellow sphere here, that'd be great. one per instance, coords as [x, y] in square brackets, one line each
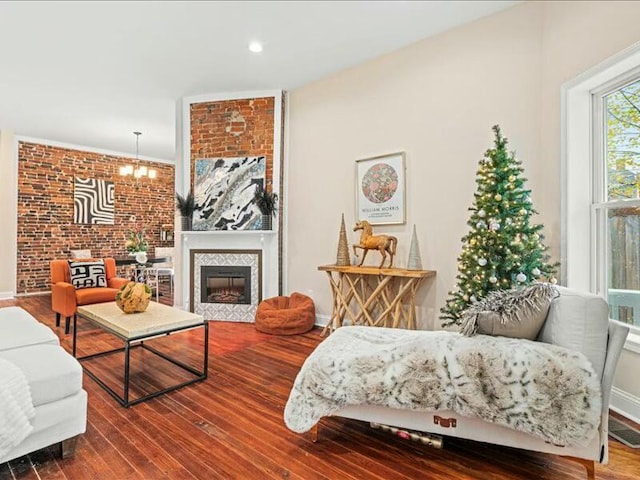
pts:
[133, 297]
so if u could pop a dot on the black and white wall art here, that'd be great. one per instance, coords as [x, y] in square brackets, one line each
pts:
[93, 201]
[224, 190]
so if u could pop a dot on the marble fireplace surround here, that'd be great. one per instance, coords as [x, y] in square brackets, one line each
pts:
[257, 249]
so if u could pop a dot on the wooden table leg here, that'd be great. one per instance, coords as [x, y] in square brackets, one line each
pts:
[371, 296]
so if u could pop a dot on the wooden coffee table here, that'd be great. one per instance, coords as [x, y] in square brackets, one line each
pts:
[133, 329]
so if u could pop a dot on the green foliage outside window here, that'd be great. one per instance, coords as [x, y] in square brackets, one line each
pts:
[623, 142]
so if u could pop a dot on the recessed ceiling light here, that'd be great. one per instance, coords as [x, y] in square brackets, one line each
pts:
[255, 47]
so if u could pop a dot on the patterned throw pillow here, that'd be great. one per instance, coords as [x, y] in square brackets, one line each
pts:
[88, 274]
[510, 313]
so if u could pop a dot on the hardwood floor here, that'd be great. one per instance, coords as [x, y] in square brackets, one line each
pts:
[231, 427]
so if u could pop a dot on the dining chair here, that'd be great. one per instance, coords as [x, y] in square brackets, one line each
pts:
[166, 268]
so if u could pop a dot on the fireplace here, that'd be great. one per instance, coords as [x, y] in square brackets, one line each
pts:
[225, 284]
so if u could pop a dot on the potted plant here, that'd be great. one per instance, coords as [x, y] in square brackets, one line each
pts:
[267, 203]
[187, 206]
[136, 242]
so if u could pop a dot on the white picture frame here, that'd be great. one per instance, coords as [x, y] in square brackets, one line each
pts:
[380, 189]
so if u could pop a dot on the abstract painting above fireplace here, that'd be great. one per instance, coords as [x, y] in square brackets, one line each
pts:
[224, 189]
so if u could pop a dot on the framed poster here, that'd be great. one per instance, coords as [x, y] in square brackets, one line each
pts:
[380, 189]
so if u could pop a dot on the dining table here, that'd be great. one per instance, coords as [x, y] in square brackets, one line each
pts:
[131, 260]
[138, 271]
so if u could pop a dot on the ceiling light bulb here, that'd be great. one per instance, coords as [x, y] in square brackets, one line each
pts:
[255, 47]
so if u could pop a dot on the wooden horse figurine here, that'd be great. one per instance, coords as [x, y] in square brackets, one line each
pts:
[383, 243]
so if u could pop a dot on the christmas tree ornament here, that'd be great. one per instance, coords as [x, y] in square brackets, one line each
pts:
[482, 262]
[536, 271]
[512, 241]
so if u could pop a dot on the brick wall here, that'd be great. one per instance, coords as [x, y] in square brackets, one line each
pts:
[45, 208]
[233, 128]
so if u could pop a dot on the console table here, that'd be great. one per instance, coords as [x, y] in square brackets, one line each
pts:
[380, 297]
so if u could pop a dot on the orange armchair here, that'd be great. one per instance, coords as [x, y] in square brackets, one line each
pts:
[65, 298]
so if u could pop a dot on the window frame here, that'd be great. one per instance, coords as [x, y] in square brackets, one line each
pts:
[581, 227]
[601, 204]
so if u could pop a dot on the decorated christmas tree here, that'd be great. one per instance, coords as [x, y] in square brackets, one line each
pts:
[503, 249]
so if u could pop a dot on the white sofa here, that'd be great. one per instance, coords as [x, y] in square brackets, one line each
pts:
[576, 321]
[55, 381]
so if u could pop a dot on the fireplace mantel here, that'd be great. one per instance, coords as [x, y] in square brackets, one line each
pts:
[223, 233]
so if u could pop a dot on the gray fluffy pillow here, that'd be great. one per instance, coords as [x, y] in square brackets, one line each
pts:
[510, 313]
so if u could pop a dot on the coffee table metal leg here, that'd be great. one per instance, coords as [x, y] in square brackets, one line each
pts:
[124, 400]
[126, 374]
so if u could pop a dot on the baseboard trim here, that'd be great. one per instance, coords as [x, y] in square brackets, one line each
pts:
[625, 404]
[6, 295]
[33, 294]
[322, 320]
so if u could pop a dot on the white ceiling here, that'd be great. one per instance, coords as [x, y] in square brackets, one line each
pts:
[90, 73]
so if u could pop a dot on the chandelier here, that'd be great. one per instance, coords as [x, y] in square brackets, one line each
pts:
[138, 171]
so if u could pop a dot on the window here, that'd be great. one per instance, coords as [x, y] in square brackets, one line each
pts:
[599, 205]
[616, 197]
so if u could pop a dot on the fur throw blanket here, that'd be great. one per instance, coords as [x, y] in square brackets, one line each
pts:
[16, 407]
[533, 387]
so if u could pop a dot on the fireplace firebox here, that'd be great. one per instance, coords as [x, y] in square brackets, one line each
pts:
[225, 284]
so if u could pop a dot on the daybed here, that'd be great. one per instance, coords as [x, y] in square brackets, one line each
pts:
[55, 381]
[578, 322]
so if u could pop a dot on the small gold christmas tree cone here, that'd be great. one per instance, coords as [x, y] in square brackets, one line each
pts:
[342, 259]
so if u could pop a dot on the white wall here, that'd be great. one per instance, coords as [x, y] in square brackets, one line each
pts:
[437, 100]
[8, 214]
